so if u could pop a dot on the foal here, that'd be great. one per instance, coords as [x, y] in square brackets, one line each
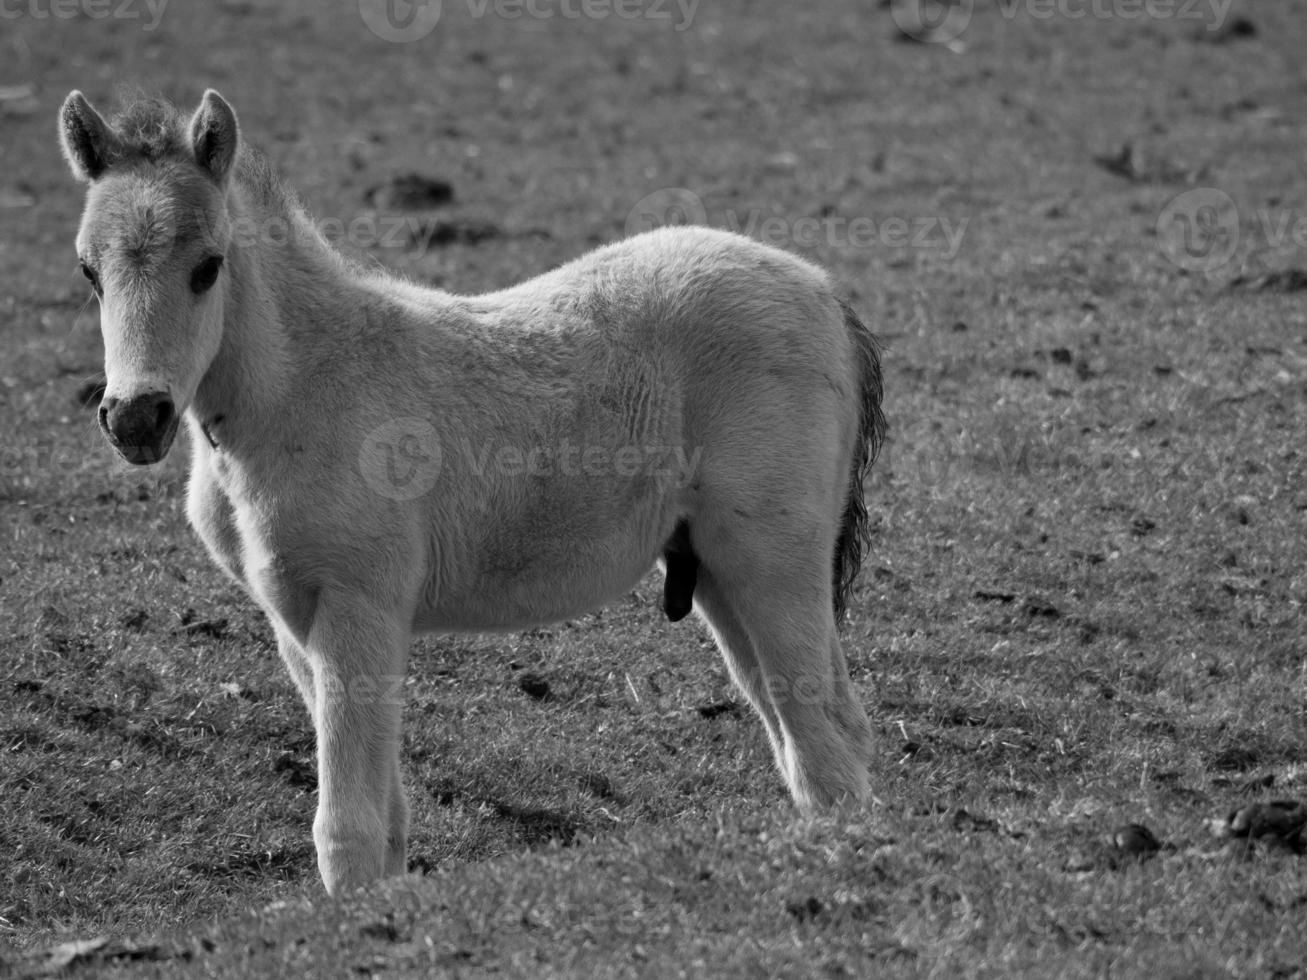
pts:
[371, 457]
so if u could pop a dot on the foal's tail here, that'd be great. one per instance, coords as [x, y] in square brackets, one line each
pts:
[854, 532]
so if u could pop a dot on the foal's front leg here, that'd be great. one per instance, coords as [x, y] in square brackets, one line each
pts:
[298, 664]
[358, 654]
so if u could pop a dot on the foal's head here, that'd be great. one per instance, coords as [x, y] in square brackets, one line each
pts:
[152, 243]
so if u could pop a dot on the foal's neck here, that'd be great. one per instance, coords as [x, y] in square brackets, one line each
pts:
[285, 287]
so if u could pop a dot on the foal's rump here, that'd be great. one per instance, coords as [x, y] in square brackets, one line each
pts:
[769, 398]
[682, 376]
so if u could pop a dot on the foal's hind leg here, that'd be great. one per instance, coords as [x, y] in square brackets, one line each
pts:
[845, 708]
[741, 659]
[783, 605]
[826, 735]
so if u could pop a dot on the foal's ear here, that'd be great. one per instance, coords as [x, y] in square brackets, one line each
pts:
[87, 141]
[215, 137]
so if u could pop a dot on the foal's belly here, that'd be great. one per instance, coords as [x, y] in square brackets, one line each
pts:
[519, 604]
[529, 570]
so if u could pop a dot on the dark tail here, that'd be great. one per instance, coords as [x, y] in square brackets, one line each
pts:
[855, 535]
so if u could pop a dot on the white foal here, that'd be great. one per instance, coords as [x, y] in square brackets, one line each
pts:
[371, 458]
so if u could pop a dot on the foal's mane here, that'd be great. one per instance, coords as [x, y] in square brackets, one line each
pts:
[151, 129]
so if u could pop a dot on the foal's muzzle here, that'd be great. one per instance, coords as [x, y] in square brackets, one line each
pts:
[141, 428]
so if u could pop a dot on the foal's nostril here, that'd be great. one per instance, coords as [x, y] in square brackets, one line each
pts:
[106, 406]
[163, 413]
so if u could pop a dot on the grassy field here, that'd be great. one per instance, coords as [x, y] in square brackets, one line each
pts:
[1084, 603]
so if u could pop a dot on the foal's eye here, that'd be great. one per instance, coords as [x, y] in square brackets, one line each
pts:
[93, 277]
[205, 274]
